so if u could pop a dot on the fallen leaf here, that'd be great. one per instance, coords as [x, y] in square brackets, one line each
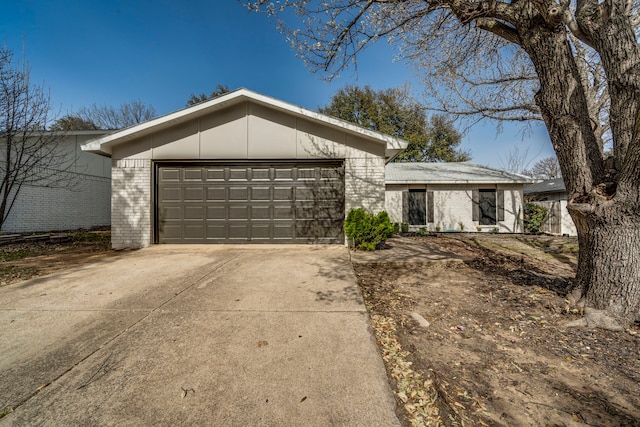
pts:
[262, 343]
[303, 399]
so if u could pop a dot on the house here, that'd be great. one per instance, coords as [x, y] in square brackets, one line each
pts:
[81, 201]
[242, 167]
[454, 197]
[552, 195]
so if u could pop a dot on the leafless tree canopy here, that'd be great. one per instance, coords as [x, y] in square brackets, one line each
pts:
[109, 117]
[547, 168]
[30, 155]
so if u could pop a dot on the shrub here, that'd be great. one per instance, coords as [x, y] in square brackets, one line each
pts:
[367, 231]
[534, 216]
[405, 227]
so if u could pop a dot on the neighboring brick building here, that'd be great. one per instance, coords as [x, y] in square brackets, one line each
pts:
[242, 168]
[455, 197]
[85, 204]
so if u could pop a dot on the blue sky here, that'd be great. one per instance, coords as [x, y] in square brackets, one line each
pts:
[114, 51]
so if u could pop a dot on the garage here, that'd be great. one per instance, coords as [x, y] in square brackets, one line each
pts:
[242, 168]
[253, 202]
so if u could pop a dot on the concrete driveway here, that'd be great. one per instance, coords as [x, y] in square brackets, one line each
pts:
[194, 335]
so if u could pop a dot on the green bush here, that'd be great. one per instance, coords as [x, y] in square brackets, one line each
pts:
[367, 231]
[534, 216]
[405, 227]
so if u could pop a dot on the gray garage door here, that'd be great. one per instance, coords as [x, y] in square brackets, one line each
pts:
[252, 203]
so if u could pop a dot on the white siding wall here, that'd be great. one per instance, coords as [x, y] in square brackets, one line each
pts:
[131, 203]
[453, 206]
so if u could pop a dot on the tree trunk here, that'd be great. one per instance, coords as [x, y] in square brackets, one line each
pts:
[608, 224]
[608, 276]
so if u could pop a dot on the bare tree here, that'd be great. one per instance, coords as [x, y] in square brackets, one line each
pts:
[515, 161]
[546, 41]
[123, 116]
[547, 168]
[30, 155]
[72, 122]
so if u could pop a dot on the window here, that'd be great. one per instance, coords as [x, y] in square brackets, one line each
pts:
[417, 207]
[488, 206]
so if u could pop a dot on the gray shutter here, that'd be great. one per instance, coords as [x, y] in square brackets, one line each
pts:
[405, 206]
[430, 213]
[475, 202]
[500, 204]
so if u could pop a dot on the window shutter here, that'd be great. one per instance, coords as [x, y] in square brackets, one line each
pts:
[430, 207]
[405, 206]
[475, 205]
[500, 204]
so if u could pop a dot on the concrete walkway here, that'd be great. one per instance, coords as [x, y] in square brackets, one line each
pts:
[194, 335]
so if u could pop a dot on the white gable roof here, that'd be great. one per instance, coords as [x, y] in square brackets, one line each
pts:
[103, 145]
[449, 173]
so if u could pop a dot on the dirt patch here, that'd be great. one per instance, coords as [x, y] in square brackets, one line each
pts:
[495, 351]
[23, 261]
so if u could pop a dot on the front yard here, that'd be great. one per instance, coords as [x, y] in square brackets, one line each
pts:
[493, 350]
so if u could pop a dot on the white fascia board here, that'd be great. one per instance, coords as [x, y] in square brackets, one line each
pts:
[103, 145]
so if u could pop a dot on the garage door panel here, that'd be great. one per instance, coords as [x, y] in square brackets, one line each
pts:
[284, 231]
[169, 175]
[215, 174]
[239, 174]
[239, 231]
[283, 174]
[194, 212]
[192, 194]
[217, 231]
[261, 174]
[239, 193]
[238, 212]
[216, 193]
[261, 212]
[172, 231]
[172, 212]
[261, 193]
[250, 203]
[193, 174]
[282, 194]
[194, 231]
[172, 194]
[261, 231]
[216, 212]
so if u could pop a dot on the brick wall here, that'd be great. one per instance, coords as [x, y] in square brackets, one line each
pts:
[364, 181]
[131, 203]
[84, 205]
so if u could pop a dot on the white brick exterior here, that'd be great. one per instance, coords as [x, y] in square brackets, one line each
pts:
[82, 200]
[56, 209]
[131, 203]
[453, 207]
[364, 182]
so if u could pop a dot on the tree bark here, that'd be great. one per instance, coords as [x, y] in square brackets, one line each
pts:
[608, 224]
[608, 276]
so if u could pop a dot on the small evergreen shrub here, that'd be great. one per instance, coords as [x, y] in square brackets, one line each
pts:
[534, 216]
[405, 227]
[367, 231]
